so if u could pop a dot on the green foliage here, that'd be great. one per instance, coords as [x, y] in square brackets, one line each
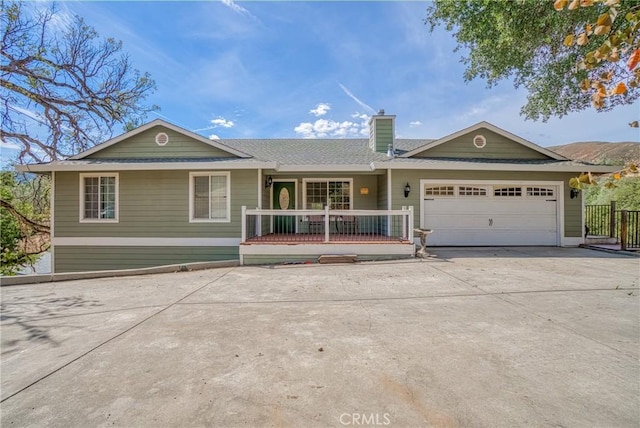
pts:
[626, 193]
[523, 40]
[30, 196]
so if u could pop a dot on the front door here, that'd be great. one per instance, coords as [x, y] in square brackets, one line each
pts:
[284, 198]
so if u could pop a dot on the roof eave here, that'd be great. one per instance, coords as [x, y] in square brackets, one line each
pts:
[115, 166]
[604, 169]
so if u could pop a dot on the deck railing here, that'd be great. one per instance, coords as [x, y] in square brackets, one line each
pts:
[605, 220]
[281, 226]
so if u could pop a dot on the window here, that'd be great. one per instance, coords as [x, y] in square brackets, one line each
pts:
[334, 193]
[209, 198]
[539, 191]
[439, 191]
[507, 191]
[98, 198]
[472, 191]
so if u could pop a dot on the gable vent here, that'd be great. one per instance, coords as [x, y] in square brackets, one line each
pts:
[162, 139]
[479, 141]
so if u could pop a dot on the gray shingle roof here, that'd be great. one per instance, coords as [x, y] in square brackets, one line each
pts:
[318, 151]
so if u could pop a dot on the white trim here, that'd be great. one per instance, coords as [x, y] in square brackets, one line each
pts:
[492, 128]
[559, 196]
[81, 218]
[159, 122]
[260, 186]
[227, 218]
[571, 242]
[483, 141]
[52, 222]
[326, 180]
[146, 242]
[134, 166]
[159, 135]
[476, 166]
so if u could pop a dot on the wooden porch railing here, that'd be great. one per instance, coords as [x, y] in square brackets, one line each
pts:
[265, 225]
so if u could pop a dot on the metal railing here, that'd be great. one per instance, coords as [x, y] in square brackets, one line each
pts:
[605, 220]
[282, 226]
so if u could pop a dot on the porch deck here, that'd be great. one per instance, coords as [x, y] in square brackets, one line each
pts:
[310, 234]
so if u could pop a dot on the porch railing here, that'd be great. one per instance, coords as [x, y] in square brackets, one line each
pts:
[264, 225]
[606, 220]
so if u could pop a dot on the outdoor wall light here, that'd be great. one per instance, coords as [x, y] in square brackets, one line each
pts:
[574, 193]
[268, 182]
[407, 189]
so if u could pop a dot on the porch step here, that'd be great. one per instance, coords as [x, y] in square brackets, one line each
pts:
[337, 258]
[592, 240]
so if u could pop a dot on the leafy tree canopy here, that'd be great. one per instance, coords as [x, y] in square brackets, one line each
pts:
[568, 55]
[63, 88]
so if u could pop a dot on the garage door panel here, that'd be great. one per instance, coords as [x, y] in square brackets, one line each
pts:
[491, 220]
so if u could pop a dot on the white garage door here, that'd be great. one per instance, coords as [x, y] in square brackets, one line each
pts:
[490, 214]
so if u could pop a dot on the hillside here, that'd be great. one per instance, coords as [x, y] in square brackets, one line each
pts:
[601, 152]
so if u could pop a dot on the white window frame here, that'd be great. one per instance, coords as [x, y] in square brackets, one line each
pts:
[326, 180]
[81, 217]
[192, 175]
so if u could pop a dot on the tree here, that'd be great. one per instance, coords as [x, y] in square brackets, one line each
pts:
[527, 40]
[63, 90]
[24, 212]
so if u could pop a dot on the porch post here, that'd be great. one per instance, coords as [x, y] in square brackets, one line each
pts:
[243, 225]
[259, 217]
[326, 223]
[411, 223]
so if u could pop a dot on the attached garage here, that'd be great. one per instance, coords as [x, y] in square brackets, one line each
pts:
[491, 213]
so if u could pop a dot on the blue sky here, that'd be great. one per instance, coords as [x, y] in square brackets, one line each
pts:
[318, 69]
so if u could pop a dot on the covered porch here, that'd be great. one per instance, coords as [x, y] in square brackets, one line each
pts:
[299, 236]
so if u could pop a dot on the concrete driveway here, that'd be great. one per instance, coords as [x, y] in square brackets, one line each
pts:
[490, 337]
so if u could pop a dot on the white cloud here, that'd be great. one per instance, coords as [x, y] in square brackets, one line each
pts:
[415, 123]
[214, 137]
[321, 109]
[8, 146]
[222, 122]
[356, 99]
[237, 8]
[323, 128]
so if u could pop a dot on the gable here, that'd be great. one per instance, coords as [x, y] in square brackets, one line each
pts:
[497, 147]
[143, 145]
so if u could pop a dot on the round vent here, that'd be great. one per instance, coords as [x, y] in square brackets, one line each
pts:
[162, 139]
[479, 141]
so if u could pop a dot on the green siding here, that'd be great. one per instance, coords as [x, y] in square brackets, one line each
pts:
[497, 147]
[152, 204]
[383, 134]
[572, 207]
[382, 192]
[90, 258]
[144, 145]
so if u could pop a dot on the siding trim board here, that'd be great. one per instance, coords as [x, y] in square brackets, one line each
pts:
[145, 242]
